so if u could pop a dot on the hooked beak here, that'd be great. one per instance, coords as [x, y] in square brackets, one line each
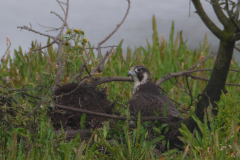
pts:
[131, 73]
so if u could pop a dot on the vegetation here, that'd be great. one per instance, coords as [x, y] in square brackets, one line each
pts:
[227, 37]
[26, 133]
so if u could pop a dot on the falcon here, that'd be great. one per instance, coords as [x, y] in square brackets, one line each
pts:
[146, 97]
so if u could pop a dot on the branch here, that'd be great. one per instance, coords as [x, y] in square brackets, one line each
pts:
[235, 37]
[53, 29]
[65, 20]
[100, 43]
[100, 47]
[165, 119]
[237, 48]
[206, 58]
[219, 13]
[60, 16]
[60, 50]
[73, 133]
[44, 46]
[102, 61]
[31, 30]
[186, 73]
[110, 79]
[95, 69]
[205, 79]
[8, 47]
[207, 21]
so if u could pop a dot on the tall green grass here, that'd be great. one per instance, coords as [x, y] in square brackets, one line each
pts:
[25, 134]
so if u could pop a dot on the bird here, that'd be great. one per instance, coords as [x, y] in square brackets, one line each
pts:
[146, 97]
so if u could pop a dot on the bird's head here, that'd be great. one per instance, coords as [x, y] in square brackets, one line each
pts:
[140, 75]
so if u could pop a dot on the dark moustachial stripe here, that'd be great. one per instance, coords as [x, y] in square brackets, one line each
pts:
[140, 77]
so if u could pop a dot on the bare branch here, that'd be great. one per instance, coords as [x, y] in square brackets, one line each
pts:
[103, 41]
[233, 21]
[60, 50]
[235, 37]
[206, 58]
[189, 90]
[95, 69]
[58, 15]
[100, 47]
[207, 21]
[205, 79]
[8, 47]
[165, 119]
[44, 46]
[219, 13]
[65, 21]
[61, 5]
[29, 29]
[48, 27]
[185, 73]
[237, 48]
[73, 133]
[102, 61]
[110, 79]
[81, 70]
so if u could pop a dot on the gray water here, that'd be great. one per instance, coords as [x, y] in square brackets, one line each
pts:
[99, 17]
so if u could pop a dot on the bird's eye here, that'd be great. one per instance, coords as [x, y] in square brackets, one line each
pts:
[138, 70]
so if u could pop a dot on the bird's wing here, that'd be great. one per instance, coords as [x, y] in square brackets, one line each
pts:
[147, 103]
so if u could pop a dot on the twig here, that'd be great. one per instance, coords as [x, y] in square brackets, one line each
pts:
[205, 79]
[95, 69]
[81, 70]
[8, 47]
[103, 41]
[103, 60]
[60, 50]
[73, 133]
[57, 15]
[189, 7]
[89, 57]
[37, 106]
[184, 73]
[100, 47]
[109, 79]
[226, 4]
[189, 90]
[206, 58]
[228, 12]
[165, 119]
[44, 46]
[29, 29]
[48, 27]
[237, 48]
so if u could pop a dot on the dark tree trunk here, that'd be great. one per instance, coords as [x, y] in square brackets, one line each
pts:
[227, 38]
[217, 81]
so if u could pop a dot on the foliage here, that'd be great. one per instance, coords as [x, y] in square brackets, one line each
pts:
[219, 136]
[26, 134]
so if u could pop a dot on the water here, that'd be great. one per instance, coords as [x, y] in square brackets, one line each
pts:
[99, 17]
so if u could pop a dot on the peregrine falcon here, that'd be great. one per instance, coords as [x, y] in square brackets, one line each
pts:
[146, 97]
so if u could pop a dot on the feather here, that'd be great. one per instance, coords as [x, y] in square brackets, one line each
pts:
[146, 97]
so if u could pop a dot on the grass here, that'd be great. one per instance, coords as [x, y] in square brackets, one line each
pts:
[27, 76]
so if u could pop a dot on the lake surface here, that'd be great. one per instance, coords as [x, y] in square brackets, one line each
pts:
[99, 17]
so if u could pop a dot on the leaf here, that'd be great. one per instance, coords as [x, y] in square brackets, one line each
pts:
[82, 120]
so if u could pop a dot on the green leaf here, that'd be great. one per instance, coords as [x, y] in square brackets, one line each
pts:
[82, 120]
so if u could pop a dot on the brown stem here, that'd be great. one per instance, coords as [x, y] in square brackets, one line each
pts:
[103, 41]
[163, 119]
[110, 79]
